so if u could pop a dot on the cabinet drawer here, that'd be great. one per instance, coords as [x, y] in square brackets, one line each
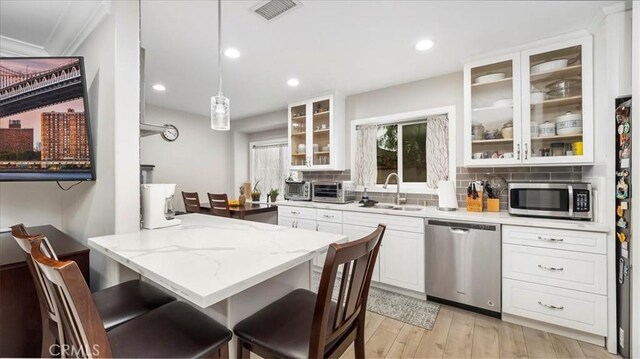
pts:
[572, 270]
[328, 215]
[297, 212]
[398, 223]
[552, 238]
[568, 308]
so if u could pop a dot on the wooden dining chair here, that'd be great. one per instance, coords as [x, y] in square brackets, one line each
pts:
[219, 203]
[175, 330]
[305, 325]
[116, 305]
[191, 202]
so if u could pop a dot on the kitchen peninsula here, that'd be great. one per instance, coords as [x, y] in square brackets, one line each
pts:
[227, 267]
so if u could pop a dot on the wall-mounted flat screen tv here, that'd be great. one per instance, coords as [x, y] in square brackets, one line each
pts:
[45, 132]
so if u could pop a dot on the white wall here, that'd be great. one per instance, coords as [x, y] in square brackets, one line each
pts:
[89, 209]
[434, 92]
[198, 161]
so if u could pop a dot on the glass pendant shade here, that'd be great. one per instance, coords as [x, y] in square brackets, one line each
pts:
[220, 117]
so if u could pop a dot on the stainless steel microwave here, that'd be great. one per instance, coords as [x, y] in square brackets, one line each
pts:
[297, 190]
[334, 192]
[551, 199]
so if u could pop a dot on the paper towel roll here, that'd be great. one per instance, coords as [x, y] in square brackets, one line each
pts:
[447, 199]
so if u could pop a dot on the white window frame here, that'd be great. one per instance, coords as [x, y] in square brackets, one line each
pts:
[407, 118]
[252, 145]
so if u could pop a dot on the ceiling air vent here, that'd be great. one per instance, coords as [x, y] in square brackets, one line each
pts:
[271, 9]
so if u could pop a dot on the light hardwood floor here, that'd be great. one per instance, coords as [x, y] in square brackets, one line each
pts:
[462, 334]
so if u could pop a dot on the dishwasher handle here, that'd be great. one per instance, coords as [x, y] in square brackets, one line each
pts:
[458, 230]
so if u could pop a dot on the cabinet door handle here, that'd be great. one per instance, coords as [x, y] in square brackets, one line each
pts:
[551, 306]
[293, 224]
[518, 151]
[526, 151]
[553, 269]
[550, 239]
[317, 226]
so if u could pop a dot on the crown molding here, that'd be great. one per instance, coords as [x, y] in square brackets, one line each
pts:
[75, 25]
[15, 48]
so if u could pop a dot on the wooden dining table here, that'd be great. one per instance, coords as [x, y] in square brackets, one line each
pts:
[241, 211]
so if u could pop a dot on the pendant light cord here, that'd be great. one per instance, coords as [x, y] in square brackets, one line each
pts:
[219, 44]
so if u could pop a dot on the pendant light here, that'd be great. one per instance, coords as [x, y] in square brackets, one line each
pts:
[220, 118]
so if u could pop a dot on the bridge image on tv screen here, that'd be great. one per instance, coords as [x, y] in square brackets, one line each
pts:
[44, 133]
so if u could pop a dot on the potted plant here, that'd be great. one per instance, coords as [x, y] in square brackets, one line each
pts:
[255, 193]
[273, 194]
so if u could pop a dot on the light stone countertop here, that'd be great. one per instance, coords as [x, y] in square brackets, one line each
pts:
[502, 217]
[207, 259]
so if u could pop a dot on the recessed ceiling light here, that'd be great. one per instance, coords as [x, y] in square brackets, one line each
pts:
[424, 45]
[232, 53]
[293, 82]
[159, 87]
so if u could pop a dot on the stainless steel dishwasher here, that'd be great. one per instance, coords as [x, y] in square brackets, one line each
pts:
[463, 263]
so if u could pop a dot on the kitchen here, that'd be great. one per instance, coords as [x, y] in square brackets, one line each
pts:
[444, 129]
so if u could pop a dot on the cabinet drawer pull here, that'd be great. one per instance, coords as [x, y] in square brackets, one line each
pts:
[554, 269]
[549, 239]
[328, 216]
[551, 306]
[295, 212]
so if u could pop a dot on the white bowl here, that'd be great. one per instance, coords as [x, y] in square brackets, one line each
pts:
[490, 77]
[503, 102]
[549, 66]
[569, 124]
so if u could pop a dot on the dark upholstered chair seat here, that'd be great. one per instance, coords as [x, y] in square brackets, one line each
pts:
[284, 326]
[173, 330]
[129, 300]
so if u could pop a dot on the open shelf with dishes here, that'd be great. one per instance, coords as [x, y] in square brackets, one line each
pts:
[522, 108]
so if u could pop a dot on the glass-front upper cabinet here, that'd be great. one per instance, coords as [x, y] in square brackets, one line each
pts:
[492, 111]
[316, 133]
[298, 135]
[557, 103]
[321, 138]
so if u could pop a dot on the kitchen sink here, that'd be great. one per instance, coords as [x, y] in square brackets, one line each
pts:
[411, 209]
[383, 206]
[396, 208]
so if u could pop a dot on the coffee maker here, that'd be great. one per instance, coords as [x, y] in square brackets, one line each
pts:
[157, 209]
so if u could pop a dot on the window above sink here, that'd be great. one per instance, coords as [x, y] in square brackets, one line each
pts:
[419, 146]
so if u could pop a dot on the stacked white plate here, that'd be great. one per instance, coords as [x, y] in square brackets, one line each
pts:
[490, 77]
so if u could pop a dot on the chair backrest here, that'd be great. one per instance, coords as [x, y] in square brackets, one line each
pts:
[357, 260]
[83, 327]
[45, 297]
[219, 203]
[191, 202]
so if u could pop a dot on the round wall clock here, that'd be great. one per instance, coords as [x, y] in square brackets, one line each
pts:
[170, 133]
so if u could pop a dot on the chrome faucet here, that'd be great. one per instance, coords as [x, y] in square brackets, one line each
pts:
[399, 199]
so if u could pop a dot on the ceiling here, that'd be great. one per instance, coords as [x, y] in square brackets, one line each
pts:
[350, 46]
[43, 28]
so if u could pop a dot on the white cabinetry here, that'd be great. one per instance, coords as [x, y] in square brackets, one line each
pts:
[401, 261]
[532, 107]
[556, 277]
[316, 133]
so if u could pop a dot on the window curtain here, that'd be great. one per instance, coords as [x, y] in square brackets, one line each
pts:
[366, 156]
[437, 150]
[270, 166]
